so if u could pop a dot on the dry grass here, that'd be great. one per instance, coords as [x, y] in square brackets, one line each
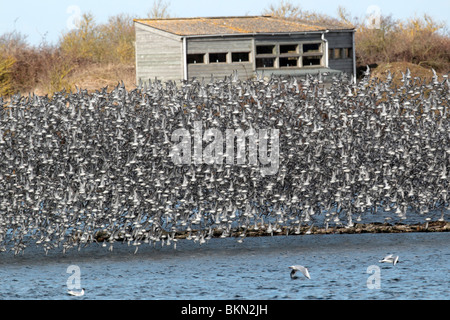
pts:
[97, 76]
[396, 69]
[91, 77]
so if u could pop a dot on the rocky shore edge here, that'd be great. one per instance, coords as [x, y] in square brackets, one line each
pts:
[357, 228]
[436, 226]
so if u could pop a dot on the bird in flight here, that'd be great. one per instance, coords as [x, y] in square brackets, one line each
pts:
[302, 269]
[390, 259]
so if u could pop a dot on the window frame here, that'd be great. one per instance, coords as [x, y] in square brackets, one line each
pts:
[289, 53]
[343, 53]
[263, 56]
[210, 61]
[196, 54]
[320, 51]
[347, 53]
[227, 55]
[320, 57]
[248, 53]
[282, 66]
[279, 54]
[274, 50]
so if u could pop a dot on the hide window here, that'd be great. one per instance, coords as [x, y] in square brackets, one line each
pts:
[337, 53]
[341, 53]
[265, 62]
[240, 56]
[347, 53]
[266, 56]
[217, 58]
[289, 55]
[312, 47]
[312, 54]
[265, 49]
[288, 48]
[309, 61]
[195, 58]
[288, 62]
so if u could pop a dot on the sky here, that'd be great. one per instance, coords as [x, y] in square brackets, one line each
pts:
[47, 19]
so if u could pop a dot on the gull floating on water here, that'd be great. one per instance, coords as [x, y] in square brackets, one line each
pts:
[76, 293]
[390, 259]
[302, 269]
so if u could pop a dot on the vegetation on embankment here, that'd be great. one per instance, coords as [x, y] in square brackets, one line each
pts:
[91, 57]
[99, 54]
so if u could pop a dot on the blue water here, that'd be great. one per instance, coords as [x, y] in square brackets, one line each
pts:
[225, 269]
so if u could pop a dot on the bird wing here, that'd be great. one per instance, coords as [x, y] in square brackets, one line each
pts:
[408, 72]
[395, 260]
[387, 258]
[389, 76]
[306, 273]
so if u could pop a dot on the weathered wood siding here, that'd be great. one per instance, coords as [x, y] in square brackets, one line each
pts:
[345, 65]
[295, 38]
[220, 70]
[340, 40]
[158, 55]
[219, 45]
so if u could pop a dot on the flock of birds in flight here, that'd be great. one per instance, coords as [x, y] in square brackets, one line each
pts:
[78, 168]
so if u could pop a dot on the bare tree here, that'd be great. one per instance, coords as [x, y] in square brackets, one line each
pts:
[13, 41]
[160, 9]
[287, 9]
[345, 16]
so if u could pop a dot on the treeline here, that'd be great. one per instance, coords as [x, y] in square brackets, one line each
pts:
[49, 67]
[420, 40]
[103, 52]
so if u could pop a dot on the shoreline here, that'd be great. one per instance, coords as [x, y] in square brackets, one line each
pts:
[262, 231]
[432, 226]
[266, 231]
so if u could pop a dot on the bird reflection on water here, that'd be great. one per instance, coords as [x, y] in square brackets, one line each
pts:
[80, 168]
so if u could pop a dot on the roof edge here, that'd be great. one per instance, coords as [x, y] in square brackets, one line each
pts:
[193, 18]
[319, 27]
